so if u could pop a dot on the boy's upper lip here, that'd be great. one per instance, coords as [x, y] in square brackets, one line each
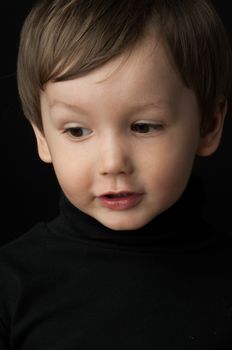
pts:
[122, 192]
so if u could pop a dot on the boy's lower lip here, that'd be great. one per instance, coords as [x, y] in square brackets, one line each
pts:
[121, 203]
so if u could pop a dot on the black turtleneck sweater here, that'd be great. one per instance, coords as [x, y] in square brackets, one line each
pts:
[73, 284]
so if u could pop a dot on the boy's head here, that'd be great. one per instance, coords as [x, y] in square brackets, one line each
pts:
[122, 96]
[63, 39]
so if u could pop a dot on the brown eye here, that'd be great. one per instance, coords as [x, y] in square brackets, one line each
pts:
[77, 132]
[144, 128]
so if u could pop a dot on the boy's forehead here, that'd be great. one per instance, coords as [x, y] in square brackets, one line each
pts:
[147, 60]
[142, 53]
[142, 78]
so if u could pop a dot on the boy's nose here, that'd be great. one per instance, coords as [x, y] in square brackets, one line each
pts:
[115, 158]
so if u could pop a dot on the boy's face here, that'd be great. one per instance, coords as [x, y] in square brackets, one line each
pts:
[129, 127]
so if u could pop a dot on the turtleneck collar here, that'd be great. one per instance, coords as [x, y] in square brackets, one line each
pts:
[179, 225]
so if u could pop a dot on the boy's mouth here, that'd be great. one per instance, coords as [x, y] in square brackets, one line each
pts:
[120, 200]
[118, 195]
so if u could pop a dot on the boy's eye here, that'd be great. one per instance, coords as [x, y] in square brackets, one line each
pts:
[145, 127]
[77, 131]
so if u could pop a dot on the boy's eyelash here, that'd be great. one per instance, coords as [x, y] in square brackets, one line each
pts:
[143, 127]
[138, 127]
[76, 131]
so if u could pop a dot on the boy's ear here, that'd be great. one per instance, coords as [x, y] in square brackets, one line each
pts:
[210, 140]
[42, 146]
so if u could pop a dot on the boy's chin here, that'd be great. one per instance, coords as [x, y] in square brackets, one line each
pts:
[125, 224]
[126, 220]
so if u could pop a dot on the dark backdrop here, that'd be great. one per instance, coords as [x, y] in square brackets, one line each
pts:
[29, 189]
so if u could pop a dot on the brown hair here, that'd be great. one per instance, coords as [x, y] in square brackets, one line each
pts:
[64, 39]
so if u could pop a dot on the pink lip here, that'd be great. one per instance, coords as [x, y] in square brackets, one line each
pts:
[120, 203]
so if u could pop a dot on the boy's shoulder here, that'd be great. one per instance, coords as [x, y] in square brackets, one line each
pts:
[25, 244]
[219, 242]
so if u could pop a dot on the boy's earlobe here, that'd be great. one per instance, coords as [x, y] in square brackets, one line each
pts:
[42, 146]
[210, 140]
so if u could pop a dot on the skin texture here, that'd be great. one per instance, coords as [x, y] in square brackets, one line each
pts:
[101, 138]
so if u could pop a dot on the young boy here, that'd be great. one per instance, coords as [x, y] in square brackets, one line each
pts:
[122, 96]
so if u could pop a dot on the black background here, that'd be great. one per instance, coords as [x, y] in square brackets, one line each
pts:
[29, 189]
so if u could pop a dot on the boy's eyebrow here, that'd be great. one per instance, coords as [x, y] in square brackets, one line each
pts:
[57, 103]
[136, 108]
[148, 105]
